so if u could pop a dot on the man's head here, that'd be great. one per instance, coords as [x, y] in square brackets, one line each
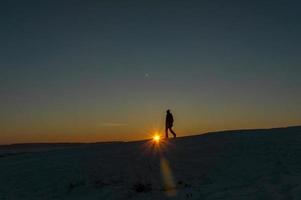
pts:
[168, 111]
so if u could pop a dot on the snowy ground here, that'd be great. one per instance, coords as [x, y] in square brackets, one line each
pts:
[254, 164]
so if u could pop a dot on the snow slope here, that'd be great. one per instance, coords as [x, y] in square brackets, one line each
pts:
[243, 164]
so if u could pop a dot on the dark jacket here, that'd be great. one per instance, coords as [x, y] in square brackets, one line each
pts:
[169, 120]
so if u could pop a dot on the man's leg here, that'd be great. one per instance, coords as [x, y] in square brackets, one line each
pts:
[174, 134]
[166, 132]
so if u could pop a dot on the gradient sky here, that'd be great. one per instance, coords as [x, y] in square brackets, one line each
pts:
[107, 70]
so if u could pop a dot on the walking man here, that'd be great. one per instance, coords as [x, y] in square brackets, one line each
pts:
[169, 124]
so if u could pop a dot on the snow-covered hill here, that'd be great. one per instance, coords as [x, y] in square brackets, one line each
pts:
[243, 164]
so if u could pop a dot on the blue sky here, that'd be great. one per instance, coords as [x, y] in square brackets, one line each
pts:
[69, 69]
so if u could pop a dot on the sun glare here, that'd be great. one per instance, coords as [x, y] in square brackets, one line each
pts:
[157, 138]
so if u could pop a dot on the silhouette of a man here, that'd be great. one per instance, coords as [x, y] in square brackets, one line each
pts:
[169, 124]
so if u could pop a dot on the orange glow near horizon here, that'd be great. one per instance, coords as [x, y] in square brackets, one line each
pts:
[156, 138]
[81, 132]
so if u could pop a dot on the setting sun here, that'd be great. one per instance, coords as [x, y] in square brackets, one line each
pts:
[157, 138]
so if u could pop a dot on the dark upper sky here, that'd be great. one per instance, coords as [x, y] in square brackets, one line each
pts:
[106, 70]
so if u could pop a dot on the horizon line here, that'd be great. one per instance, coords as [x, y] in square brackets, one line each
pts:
[122, 141]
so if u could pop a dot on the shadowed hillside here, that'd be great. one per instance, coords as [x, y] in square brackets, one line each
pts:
[242, 164]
